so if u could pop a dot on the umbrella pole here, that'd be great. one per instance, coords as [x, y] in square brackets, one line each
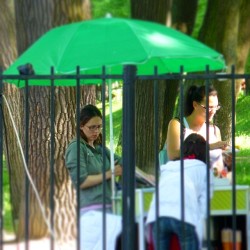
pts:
[111, 135]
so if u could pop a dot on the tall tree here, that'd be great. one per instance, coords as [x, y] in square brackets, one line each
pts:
[8, 54]
[33, 18]
[152, 11]
[183, 15]
[8, 34]
[243, 39]
[162, 12]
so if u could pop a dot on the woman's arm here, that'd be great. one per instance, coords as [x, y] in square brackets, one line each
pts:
[173, 139]
[218, 145]
[93, 180]
[214, 132]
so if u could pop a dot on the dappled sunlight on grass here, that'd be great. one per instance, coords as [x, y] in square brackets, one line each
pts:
[243, 142]
[242, 120]
[243, 167]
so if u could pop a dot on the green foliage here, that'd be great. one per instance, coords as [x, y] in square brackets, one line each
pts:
[117, 121]
[243, 167]
[247, 68]
[201, 10]
[242, 116]
[117, 8]
[243, 140]
[8, 226]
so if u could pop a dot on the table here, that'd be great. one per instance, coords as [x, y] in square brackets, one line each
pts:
[221, 206]
[221, 212]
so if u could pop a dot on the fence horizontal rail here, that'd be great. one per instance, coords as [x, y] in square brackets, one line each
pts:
[175, 76]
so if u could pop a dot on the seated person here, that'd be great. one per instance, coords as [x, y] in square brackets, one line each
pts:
[195, 122]
[195, 197]
[91, 180]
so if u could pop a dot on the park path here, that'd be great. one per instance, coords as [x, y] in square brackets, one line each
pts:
[41, 244]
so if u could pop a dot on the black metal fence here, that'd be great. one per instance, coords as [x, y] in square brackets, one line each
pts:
[129, 76]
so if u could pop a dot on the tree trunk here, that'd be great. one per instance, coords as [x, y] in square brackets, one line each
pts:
[243, 41]
[157, 11]
[152, 11]
[184, 13]
[7, 55]
[8, 34]
[34, 18]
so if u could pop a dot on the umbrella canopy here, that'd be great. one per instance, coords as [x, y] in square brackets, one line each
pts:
[114, 42]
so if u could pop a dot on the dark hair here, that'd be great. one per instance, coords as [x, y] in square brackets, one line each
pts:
[196, 93]
[88, 112]
[194, 147]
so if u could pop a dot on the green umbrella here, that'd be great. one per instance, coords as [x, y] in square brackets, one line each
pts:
[114, 42]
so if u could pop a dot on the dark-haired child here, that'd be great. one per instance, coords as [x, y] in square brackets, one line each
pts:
[195, 197]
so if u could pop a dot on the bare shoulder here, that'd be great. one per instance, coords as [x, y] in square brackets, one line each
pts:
[173, 127]
[174, 122]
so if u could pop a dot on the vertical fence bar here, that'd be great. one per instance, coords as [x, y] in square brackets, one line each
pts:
[27, 187]
[233, 160]
[104, 159]
[181, 152]
[78, 98]
[208, 160]
[1, 161]
[156, 152]
[52, 153]
[128, 153]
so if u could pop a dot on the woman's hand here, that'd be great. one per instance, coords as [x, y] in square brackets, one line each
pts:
[117, 172]
[151, 178]
[219, 144]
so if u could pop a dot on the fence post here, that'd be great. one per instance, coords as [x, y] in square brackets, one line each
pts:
[1, 161]
[128, 155]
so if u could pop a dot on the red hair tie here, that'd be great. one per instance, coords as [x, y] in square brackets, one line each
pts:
[190, 157]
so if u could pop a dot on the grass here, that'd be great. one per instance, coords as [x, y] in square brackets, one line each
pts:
[202, 5]
[243, 140]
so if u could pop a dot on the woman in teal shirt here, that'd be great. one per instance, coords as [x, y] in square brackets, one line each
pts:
[91, 161]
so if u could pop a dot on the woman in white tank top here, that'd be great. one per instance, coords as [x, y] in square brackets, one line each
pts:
[195, 122]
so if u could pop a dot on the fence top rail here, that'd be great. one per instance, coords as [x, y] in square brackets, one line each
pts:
[177, 76]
